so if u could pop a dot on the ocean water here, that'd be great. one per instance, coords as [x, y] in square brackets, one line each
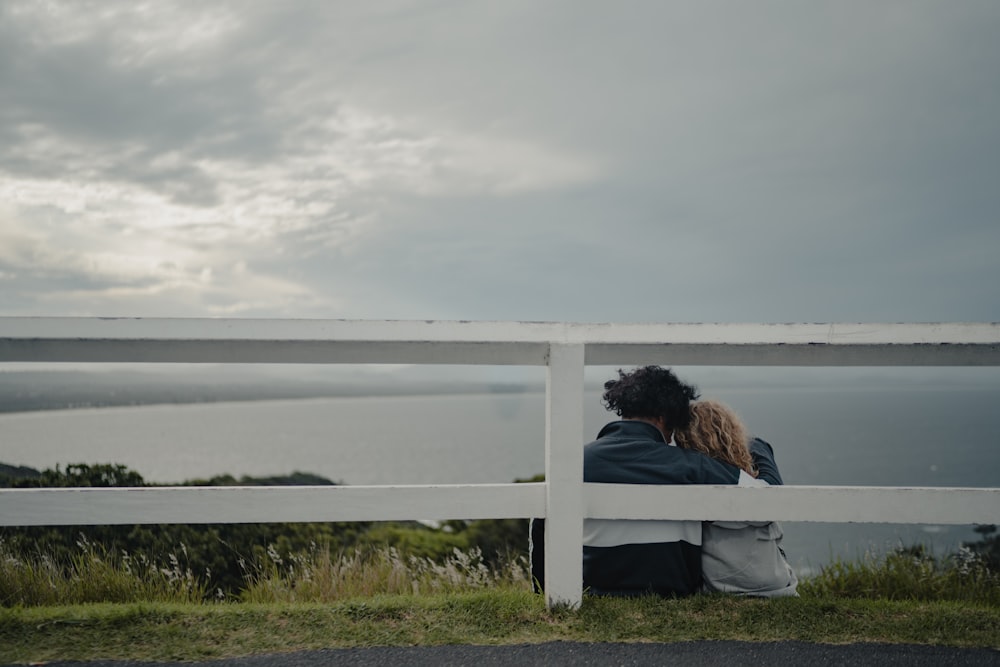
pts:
[879, 434]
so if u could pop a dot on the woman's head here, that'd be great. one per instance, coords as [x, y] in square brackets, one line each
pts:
[717, 431]
[650, 392]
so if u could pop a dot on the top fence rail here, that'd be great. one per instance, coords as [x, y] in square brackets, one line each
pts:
[54, 339]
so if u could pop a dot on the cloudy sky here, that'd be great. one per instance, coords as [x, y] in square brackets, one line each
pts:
[559, 160]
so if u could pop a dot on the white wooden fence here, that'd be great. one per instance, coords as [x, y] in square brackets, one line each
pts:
[564, 348]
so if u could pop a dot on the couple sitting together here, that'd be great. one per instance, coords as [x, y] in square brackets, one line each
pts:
[665, 436]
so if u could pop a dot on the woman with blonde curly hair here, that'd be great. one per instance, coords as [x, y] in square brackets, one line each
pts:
[738, 557]
[717, 431]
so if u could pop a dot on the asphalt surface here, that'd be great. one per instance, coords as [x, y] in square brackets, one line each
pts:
[727, 653]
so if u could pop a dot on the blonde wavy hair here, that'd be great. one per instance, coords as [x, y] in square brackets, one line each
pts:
[719, 432]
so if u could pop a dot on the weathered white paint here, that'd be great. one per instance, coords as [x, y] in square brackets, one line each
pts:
[524, 343]
[808, 354]
[565, 348]
[564, 474]
[278, 504]
[793, 334]
[69, 328]
[835, 504]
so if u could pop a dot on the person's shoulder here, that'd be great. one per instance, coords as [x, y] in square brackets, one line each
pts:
[629, 429]
[707, 470]
[670, 464]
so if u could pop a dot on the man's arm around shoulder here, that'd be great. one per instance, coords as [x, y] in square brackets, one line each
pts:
[763, 458]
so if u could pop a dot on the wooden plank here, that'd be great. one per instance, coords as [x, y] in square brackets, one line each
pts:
[199, 505]
[835, 504]
[564, 476]
[937, 344]
[271, 351]
[976, 333]
[489, 353]
[525, 343]
[274, 341]
[67, 328]
[202, 329]
[785, 354]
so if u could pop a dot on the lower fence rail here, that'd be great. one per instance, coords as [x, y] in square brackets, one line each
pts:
[311, 504]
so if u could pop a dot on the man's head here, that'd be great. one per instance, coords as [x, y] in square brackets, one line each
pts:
[651, 394]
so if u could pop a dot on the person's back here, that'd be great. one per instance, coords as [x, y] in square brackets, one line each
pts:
[628, 557]
[738, 557]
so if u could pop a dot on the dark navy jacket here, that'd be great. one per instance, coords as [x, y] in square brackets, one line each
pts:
[637, 557]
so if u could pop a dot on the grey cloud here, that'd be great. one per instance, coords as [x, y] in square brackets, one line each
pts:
[124, 117]
[774, 161]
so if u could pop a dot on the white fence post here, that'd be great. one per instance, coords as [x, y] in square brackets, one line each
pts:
[564, 475]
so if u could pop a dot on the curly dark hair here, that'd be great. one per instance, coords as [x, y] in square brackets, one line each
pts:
[650, 392]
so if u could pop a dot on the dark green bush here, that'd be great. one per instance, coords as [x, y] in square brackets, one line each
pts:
[909, 573]
[221, 555]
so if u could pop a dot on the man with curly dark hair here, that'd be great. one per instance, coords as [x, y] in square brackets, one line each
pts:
[627, 557]
[651, 394]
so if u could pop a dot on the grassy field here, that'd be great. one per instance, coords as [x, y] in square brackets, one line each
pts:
[175, 631]
[103, 605]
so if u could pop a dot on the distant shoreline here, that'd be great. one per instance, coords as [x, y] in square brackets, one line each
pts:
[37, 391]
[11, 473]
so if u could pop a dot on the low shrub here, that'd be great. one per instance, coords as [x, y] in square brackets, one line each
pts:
[94, 574]
[319, 576]
[909, 573]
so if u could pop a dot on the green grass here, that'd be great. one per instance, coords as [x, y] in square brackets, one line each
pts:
[319, 576]
[172, 631]
[94, 574]
[104, 605]
[910, 573]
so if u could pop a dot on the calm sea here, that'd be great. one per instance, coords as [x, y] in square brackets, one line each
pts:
[887, 434]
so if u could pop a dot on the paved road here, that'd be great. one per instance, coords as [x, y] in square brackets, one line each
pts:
[727, 654]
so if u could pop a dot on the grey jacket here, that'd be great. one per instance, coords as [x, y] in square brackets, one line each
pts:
[745, 558]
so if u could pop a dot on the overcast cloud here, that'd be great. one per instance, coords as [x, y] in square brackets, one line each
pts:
[580, 161]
